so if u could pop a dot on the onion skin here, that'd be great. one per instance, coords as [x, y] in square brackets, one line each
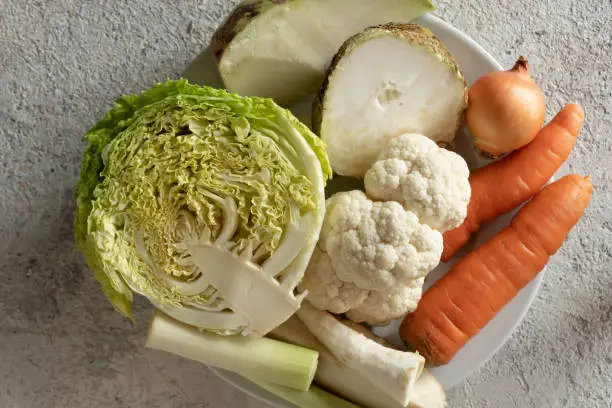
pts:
[506, 110]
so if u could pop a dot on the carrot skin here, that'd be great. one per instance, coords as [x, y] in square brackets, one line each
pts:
[448, 327]
[487, 279]
[433, 343]
[458, 315]
[495, 283]
[503, 185]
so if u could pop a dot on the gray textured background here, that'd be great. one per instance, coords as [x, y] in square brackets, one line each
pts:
[62, 62]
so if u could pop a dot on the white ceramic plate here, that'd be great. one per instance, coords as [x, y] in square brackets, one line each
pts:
[474, 62]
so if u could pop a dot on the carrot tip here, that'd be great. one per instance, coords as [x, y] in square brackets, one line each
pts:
[577, 110]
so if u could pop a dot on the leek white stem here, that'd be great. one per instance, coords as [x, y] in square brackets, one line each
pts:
[262, 359]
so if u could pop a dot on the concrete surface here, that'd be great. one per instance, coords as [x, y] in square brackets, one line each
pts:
[62, 62]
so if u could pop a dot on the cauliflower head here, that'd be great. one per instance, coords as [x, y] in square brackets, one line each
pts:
[428, 180]
[370, 258]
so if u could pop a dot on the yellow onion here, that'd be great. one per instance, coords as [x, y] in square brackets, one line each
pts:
[506, 110]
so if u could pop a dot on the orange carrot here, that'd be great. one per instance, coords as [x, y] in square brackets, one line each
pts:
[505, 184]
[463, 301]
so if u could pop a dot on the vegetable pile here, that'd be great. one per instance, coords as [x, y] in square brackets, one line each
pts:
[212, 203]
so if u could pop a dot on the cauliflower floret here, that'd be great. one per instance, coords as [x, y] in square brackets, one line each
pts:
[427, 180]
[377, 245]
[326, 290]
[391, 305]
[368, 254]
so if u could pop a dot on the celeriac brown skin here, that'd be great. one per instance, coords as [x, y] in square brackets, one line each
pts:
[464, 300]
[505, 184]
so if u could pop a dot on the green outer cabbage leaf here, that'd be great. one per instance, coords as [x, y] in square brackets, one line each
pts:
[181, 167]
